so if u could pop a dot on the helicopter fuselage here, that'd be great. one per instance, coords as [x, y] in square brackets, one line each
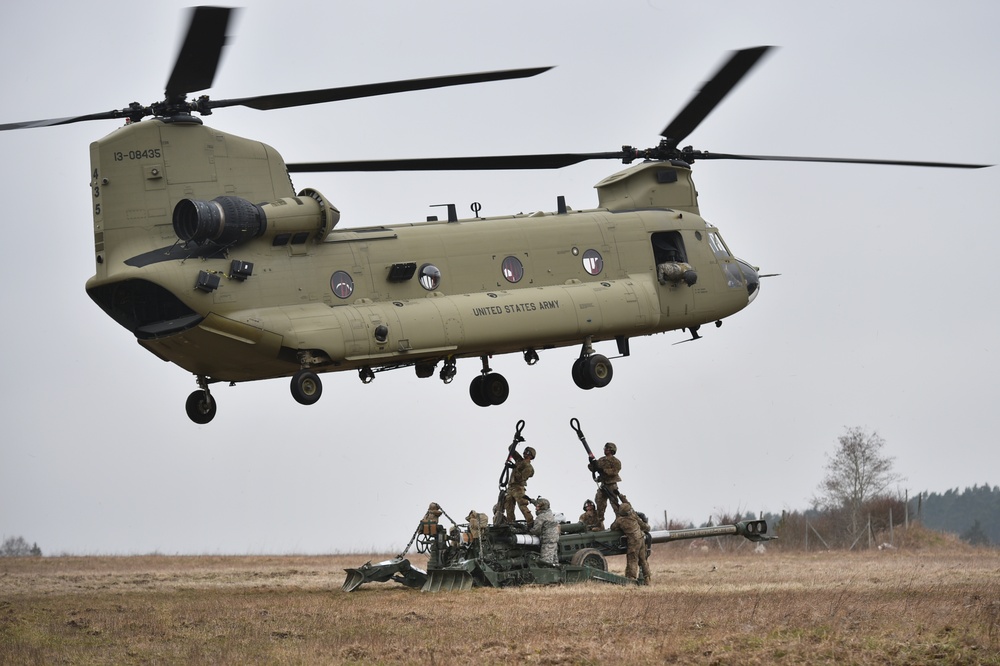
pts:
[208, 277]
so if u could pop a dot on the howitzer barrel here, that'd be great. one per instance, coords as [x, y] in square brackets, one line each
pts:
[754, 530]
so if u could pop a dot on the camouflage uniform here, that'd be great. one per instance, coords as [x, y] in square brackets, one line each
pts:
[547, 528]
[633, 526]
[516, 487]
[607, 467]
[477, 523]
[590, 519]
[429, 523]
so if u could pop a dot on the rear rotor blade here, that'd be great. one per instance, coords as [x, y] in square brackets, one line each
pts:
[199, 55]
[303, 98]
[560, 160]
[699, 155]
[713, 92]
[481, 163]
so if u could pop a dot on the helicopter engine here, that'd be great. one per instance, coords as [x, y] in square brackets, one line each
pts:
[230, 220]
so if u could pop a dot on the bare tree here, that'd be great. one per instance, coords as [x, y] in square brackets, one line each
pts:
[857, 473]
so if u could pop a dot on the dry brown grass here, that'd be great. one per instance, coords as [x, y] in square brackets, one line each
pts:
[897, 607]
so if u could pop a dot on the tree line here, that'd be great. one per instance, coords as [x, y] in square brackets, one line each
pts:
[857, 504]
[973, 513]
[18, 547]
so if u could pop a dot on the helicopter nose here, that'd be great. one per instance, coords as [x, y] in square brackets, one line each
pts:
[752, 278]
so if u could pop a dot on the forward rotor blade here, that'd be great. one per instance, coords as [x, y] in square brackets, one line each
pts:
[200, 54]
[285, 100]
[61, 121]
[698, 155]
[713, 92]
[481, 163]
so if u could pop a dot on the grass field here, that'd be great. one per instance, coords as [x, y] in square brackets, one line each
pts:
[704, 607]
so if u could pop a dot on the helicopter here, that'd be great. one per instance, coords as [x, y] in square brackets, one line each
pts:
[213, 261]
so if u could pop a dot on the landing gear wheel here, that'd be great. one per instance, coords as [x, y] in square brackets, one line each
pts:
[200, 407]
[580, 377]
[306, 387]
[598, 370]
[495, 388]
[476, 391]
[489, 389]
[590, 557]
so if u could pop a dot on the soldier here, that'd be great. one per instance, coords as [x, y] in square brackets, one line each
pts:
[607, 467]
[633, 526]
[547, 527]
[516, 487]
[477, 523]
[590, 518]
[429, 523]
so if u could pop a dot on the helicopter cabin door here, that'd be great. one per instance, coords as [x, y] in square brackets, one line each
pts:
[675, 277]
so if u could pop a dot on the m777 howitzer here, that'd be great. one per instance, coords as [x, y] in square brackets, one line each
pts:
[507, 555]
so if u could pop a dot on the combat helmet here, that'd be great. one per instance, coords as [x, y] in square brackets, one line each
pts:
[528, 451]
[612, 446]
[542, 504]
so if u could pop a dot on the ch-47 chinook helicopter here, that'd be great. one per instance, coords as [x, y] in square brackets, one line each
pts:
[205, 252]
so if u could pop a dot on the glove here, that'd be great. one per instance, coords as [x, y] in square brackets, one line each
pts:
[592, 465]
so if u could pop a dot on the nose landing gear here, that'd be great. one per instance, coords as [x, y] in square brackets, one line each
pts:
[200, 404]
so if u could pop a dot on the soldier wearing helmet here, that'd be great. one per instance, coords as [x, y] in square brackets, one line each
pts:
[429, 524]
[516, 488]
[478, 522]
[607, 468]
[635, 557]
[590, 518]
[547, 528]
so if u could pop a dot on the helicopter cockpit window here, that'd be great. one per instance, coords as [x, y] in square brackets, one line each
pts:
[341, 284]
[734, 276]
[430, 277]
[718, 247]
[593, 262]
[513, 271]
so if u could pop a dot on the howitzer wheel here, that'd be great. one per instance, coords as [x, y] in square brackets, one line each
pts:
[590, 557]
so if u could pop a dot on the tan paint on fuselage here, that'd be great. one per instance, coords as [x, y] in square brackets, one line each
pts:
[254, 328]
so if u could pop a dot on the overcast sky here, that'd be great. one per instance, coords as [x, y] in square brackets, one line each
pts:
[884, 315]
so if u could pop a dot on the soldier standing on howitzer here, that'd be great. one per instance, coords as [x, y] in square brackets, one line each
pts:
[633, 526]
[547, 528]
[516, 488]
[607, 468]
[590, 518]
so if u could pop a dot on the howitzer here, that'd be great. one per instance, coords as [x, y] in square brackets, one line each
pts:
[612, 495]
[508, 555]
